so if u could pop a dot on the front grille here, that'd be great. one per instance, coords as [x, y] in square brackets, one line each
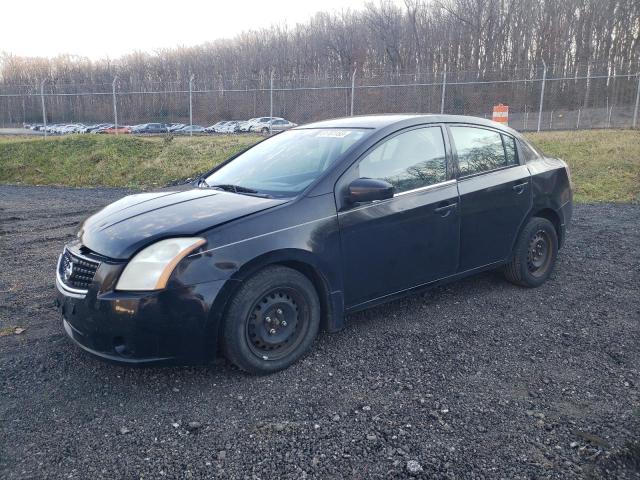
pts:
[76, 271]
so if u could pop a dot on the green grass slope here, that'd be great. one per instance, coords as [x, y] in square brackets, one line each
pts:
[605, 164]
[113, 161]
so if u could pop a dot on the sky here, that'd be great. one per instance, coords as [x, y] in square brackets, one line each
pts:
[111, 28]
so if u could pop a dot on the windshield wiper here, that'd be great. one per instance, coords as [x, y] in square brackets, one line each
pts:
[227, 187]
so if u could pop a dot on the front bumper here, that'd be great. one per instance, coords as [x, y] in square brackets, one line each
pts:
[177, 325]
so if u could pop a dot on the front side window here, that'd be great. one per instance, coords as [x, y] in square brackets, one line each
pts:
[478, 150]
[287, 163]
[410, 160]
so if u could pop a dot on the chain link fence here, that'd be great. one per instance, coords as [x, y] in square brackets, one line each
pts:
[538, 99]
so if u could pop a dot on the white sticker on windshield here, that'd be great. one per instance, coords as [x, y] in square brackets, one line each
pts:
[333, 133]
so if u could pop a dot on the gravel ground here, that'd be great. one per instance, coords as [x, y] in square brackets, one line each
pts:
[479, 379]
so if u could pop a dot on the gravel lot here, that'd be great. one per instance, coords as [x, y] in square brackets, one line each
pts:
[479, 379]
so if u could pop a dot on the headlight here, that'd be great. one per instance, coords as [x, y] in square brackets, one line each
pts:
[151, 268]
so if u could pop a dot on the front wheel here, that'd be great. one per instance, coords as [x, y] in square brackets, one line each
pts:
[271, 321]
[534, 255]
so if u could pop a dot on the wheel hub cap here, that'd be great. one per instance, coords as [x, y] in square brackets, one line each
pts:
[539, 249]
[273, 324]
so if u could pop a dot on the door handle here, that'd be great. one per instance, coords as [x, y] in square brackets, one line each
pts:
[445, 210]
[519, 188]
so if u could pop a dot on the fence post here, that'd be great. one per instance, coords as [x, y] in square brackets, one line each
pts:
[353, 87]
[191, 105]
[609, 117]
[578, 122]
[444, 89]
[115, 105]
[44, 110]
[635, 110]
[544, 79]
[270, 102]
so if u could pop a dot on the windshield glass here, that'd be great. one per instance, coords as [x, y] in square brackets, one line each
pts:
[287, 163]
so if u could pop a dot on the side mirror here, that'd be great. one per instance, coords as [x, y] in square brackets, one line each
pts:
[369, 189]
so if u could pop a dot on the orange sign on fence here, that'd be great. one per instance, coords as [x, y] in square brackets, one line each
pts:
[501, 113]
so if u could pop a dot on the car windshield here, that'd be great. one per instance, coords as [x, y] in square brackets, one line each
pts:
[284, 165]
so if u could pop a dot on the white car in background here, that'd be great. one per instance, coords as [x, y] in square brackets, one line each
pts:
[247, 124]
[257, 124]
[214, 128]
[275, 124]
[230, 127]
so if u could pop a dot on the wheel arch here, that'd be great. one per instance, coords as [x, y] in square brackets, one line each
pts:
[545, 212]
[553, 216]
[331, 311]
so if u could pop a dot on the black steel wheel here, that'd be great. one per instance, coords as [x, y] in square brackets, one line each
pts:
[534, 255]
[277, 323]
[539, 254]
[271, 321]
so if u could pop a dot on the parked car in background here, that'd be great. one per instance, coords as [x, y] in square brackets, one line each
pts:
[150, 128]
[258, 124]
[220, 126]
[305, 227]
[242, 126]
[281, 124]
[189, 129]
[229, 127]
[99, 126]
[176, 126]
[273, 124]
[114, 130]
[247, 124]
[213, 128]
[76, 128]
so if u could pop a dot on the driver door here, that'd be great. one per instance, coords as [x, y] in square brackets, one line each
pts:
[410, 239]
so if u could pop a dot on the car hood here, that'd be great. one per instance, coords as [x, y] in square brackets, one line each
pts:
[122, 228]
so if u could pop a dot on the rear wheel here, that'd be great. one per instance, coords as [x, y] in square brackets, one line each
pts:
[271, 321]
[265, 130]
[534, 255]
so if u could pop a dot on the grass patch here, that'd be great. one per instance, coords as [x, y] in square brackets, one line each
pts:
[605, 164]
[113, 161]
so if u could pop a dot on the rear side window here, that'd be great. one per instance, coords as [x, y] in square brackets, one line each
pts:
[528, 153]
[410, 160]
[478, 150]
[510, 149]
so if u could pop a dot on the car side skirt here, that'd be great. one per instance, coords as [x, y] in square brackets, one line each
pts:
[422, 287]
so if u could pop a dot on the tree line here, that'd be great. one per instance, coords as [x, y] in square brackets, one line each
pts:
[415, 40]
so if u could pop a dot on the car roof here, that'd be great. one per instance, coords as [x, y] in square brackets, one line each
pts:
[387, 120]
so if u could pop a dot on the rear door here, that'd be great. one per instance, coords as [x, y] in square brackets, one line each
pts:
[495, 194]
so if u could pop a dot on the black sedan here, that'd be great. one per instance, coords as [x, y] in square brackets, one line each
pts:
[317, 222]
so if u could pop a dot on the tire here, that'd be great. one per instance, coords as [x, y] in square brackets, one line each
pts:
[271, 321]
[534, 255]
[265, 130]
